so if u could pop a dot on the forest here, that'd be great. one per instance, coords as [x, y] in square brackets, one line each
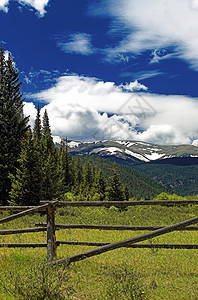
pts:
[31, 168]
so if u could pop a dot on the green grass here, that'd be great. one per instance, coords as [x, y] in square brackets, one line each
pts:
[119, 274]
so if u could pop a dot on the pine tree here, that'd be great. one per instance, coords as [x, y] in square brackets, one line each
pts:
[37, 125]
[114, 189]
[87, 178]
[78, 176]
[49, 157]
[26, 185]
[126, 192]
[13, 125]
[100, 185]
[46, 131]
[66, 168]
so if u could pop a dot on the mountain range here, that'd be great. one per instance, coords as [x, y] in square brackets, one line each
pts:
[174, 166]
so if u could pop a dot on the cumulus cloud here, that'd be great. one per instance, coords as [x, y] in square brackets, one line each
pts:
[153, 24]
[29, 109]
[38, 5]
[78, 43]
[86, 108]
[4, 5]
[134, 86]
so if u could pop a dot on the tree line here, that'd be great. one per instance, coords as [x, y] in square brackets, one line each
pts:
[31, 167]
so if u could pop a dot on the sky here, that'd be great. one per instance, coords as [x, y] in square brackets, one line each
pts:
[107, 69]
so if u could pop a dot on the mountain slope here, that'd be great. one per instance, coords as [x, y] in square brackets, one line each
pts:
[182, 180]
[140, 186]
[133, 152]
[176, 167]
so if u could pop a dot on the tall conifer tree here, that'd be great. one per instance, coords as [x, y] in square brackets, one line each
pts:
[114, 189]
[50, 175]
[37, 125]
[13, 125]
[26, 185]
[66, 168]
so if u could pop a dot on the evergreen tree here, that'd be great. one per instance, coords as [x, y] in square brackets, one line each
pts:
[13, 125]
[26, 185]
[114, 188]
[49, 157]
[37, 125]
[126, 192]
[78, 176]
[66, 169]
[46, 131]
[100, 185]
[50, 178]
[87, 177]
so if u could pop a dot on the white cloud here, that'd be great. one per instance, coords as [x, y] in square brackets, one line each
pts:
[141, 75]
[164, 133]
[85, 108]
[154, 24]
[160, 55]
[78, 43]
[195, 143]
[29, 109]
[38, 5]
[4, 5]
[134, 86]
[194, 4]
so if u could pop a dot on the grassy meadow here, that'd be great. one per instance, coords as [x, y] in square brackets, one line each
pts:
[120, 274]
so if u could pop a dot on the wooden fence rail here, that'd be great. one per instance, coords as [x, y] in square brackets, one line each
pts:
[51, 245]
[50, 228]
[124, 243]
[123, 203]
[26, 230]
[112, 227]
[150, 246]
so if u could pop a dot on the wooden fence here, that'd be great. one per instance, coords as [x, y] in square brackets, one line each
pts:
[50, 226]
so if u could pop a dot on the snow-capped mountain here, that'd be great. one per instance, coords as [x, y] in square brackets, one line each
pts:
[131, 151]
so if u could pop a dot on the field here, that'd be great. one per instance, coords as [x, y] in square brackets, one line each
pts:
[120, 274]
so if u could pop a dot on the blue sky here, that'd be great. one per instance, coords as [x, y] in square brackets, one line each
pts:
[108, 69]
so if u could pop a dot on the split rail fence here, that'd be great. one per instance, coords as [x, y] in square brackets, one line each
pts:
[50, 226]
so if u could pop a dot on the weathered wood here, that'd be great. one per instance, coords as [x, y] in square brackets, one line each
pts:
[23, 245]
[51, 237]
[127, 242]
[111, 227]
[15, 208]
[158, 246]
[25, 230]
[23, 213]
[123, 203]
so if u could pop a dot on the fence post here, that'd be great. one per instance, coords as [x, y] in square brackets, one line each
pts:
[51, 237]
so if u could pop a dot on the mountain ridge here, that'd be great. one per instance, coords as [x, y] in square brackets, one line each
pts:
[133, 152]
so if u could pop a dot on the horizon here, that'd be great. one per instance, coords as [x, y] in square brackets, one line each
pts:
[107, 69]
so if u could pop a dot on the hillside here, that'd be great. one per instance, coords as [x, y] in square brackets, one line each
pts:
[132, 151]
[174, 166]
[182, 180]
[140, 186]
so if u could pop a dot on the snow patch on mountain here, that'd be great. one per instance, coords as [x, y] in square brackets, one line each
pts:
[154, 156]
[73, 144]
[136, 155]
[57, 139]
[109, 150]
